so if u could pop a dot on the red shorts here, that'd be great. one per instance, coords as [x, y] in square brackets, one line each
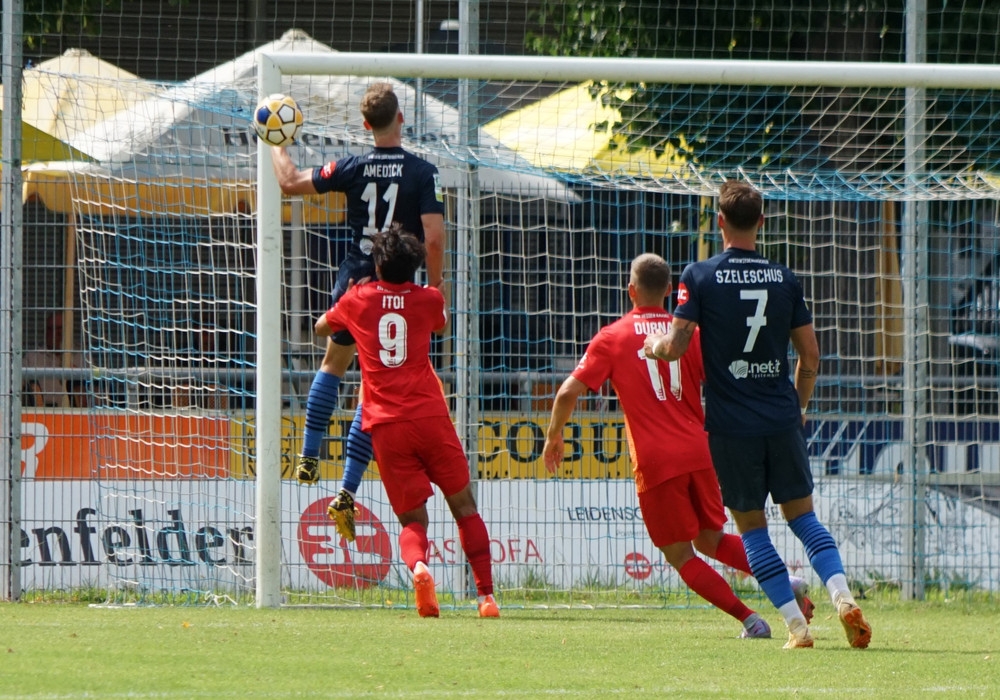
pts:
[414, 454]
[361, 389]
[679, 508]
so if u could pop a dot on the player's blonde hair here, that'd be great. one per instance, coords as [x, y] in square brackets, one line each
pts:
[651, 275]
[379, 106]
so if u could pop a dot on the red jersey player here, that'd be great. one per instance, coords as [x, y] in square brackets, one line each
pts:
[674, 477]
[414, 440]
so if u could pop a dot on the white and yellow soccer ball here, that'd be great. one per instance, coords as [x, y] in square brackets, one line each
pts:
[277, 120]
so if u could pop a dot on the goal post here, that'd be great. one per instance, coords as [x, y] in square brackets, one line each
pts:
[903, 183]
[267, 424]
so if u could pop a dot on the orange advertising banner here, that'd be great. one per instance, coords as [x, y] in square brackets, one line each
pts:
[69, 445]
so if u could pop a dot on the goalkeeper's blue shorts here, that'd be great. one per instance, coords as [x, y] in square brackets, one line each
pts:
[356, 266]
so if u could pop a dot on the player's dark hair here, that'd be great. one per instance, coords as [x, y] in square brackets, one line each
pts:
[379, 106]
[397, 254]
[740, 204]
[651, 274]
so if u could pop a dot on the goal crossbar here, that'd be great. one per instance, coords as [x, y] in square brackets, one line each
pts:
[659, 70]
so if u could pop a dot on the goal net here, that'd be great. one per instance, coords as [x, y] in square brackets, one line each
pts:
[198, 286]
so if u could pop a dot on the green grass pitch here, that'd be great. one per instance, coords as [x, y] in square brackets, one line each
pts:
[66, 650]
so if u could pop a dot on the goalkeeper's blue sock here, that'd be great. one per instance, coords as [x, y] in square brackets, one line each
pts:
[820, 547]
[359, 454]
[319, 407]
[767, 567]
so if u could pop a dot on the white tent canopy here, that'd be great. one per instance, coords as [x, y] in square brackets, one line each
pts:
[68, 94]
[200, 128]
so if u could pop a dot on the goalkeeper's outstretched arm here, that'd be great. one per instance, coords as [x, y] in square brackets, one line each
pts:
[291, 179]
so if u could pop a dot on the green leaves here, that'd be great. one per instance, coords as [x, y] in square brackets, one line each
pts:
[44, 18]
[741, 127]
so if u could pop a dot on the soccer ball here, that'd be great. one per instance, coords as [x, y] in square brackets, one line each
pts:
[277, 120]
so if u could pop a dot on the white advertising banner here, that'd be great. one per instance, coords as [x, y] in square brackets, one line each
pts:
[198, 534]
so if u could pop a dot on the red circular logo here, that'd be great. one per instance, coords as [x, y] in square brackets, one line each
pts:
[637, 566]
[329, 556]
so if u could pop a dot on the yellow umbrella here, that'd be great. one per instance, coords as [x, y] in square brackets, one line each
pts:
[572, 131]
[37, 145]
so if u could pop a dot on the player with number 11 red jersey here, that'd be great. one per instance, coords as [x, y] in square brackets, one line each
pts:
[674, 477]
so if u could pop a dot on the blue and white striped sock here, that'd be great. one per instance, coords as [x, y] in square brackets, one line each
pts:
[319, 407]
[820, 546]
[770, 572]
[358, 454]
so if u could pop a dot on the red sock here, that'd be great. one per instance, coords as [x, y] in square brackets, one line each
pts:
[731, 553]
[706, 582]
[476, 545]
[413, 545]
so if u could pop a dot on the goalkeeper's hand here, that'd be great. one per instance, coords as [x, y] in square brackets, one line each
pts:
[553, 453]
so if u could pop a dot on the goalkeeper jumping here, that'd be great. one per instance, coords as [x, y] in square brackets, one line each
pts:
[385, 185]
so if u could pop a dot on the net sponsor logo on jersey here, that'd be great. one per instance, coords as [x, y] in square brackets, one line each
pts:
[741, 369]
[438, 189]
[327, 172]
[682, 294]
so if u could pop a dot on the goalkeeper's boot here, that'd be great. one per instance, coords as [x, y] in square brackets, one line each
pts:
[341, 511]
[800, 588]
[859, 632]
[755, 627]
[489, 607]
[307, 470]
[424, 593]
[798, 636]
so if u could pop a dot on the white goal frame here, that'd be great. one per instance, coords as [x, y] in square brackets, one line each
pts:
[912, 76]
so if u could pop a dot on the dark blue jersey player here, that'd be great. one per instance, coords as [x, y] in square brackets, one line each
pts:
[749, 309]
[383, 186]
[746, 306]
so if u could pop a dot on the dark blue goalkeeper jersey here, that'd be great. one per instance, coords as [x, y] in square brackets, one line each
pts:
[746, 307]
[382, 186]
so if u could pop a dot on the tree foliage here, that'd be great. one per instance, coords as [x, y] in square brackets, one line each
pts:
[861, 30]
[44, 18]
[778, 30]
